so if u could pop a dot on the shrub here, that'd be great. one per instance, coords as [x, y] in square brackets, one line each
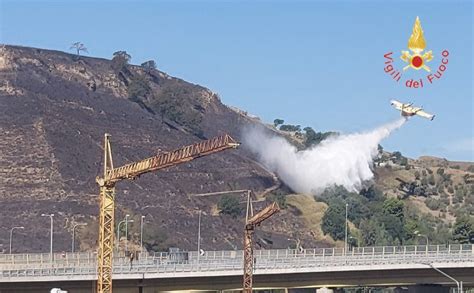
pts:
[120, 60]
[444, 198]
[417, 175]
[334, 221]
[433, 204]
[463, 230]
[280, 199]
[229, 205]
[289, 127]
[458, 196]
[431, 180]
[277, 122]
[138, 87]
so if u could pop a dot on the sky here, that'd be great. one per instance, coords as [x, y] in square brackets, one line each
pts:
[312, 63]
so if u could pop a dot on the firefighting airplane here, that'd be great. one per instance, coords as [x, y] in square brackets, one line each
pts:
[408, 110]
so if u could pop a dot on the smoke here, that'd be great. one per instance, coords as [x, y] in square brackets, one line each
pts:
[339, 160]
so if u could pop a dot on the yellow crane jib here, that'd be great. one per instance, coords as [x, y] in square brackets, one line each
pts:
[250, 225]
[112, 175]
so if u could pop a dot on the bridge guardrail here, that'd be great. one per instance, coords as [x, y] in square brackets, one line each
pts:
[85, 263]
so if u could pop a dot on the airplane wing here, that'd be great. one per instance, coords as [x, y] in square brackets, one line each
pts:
[396, 104]
[425, 115]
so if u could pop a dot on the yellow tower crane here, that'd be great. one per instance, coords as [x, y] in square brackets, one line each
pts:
[130, 171]
[250, 225]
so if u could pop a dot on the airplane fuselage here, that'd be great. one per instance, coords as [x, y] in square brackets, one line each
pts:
[408, 110]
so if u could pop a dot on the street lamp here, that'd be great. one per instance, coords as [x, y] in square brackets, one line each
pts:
[199, 236]
[117, 242]
[141, 233]
[118, 230]
[51, 232]
[345, 237]
[11, 235]
[417, 233]
[126, 231]
[73, 230]
[458, 283]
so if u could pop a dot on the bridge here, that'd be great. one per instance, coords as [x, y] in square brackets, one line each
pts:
[222, 270]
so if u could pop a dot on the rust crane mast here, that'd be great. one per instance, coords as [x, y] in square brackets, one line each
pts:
[113, 175]
[250, 225]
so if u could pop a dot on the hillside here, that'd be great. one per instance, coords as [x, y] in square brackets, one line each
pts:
[54, 111]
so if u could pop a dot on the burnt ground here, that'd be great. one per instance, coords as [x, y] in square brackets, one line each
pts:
[54, 111]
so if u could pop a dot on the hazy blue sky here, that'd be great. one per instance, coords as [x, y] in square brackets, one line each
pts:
[312, 63]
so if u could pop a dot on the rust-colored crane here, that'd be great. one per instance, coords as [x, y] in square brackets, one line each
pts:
[250, 225]
[130, 171]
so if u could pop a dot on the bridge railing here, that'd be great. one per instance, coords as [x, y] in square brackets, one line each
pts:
[23, 265]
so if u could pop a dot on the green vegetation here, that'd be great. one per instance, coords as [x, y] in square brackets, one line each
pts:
[435, 204]
[168, 105]
[120, 60]
[373, 233]
[334, 220]
[290, 128]
[277, 122]
[463, 230]
[229, 205]
[399, 159]
[384, 221]
[280, 198]
[313, 137]
[138, 87]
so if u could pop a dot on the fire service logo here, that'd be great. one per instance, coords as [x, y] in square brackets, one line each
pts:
[415, 60]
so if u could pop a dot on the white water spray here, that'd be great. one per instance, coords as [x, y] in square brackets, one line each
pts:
[339, 160]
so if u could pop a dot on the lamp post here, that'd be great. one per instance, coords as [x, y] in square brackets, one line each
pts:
[345, 236]
[51, 232]
[458, 283]
[73, 230]
[417, 233]
[118, 230]
[141, 233]
[199, 236]
[11, 235]
[126, 231]
[118, 234]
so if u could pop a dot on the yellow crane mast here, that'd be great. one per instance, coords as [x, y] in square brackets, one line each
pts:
[250, 225]
[113, 175]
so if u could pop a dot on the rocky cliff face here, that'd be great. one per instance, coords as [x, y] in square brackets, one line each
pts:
[54, 111]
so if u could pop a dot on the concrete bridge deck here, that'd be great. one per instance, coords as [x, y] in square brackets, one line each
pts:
[219, 270]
